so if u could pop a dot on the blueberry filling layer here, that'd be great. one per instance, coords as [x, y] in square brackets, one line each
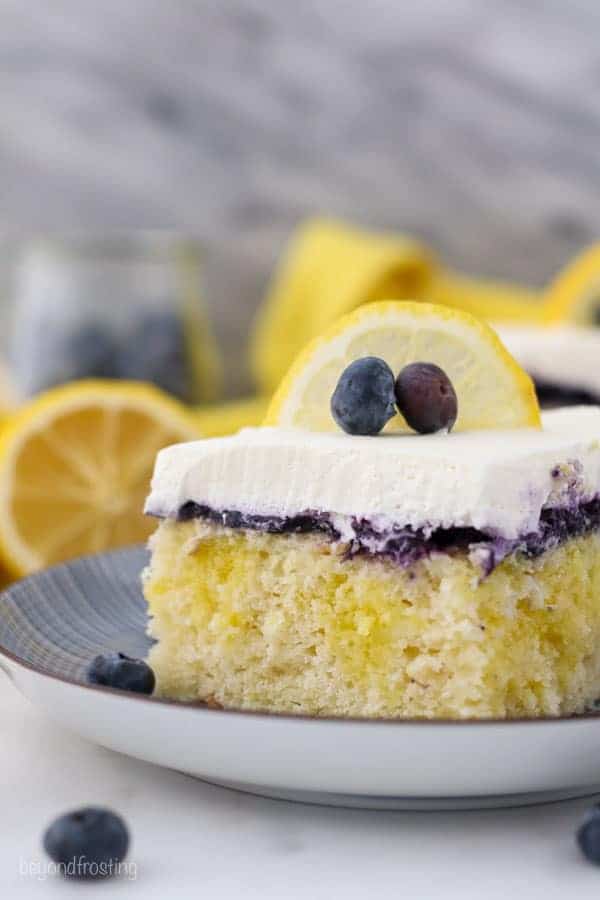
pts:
[551, 394]
[405, 545]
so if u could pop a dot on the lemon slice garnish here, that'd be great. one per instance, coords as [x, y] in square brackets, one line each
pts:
[493, 390]
[75, 467]
[331, 268]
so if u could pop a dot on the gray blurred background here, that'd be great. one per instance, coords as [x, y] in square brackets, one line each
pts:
[474, 124]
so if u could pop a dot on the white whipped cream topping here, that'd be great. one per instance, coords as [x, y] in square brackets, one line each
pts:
[561, 354]
[496, 481]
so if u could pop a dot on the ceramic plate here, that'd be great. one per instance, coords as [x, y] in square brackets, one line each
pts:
[52, 624]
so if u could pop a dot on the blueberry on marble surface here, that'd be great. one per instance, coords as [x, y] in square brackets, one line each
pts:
[87, 843]
[363, 401]
[155, 351]
[426, 398]
[588, 835]
[119, 671]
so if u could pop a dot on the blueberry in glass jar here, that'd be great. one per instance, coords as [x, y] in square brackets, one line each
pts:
[155, 351]
[84, 351]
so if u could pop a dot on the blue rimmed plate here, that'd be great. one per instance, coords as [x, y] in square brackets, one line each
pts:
[53, 623]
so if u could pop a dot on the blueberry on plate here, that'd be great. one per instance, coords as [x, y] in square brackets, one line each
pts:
[117, 670]
[87, 843]
[426, 398]
[156, 352]
[363, 401]
[588, 835]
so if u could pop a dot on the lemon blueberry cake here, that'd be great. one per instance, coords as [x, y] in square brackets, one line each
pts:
[327, 571]
[563, 360]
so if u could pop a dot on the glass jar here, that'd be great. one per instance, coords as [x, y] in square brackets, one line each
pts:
[113, 306]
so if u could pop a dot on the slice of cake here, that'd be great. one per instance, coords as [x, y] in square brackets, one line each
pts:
[452, 574]
[563, 360]
[434, 576]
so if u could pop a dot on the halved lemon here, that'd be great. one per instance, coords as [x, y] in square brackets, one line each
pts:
[75, 467]
[574, 295]
[493, 390]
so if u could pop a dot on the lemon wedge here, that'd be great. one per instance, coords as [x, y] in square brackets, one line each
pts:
[75, 467]
[574, 295]
[493, 390]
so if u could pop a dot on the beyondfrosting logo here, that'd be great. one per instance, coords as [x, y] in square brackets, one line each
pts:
[79, 868]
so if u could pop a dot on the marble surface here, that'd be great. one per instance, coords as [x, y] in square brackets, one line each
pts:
[474, 124]
[192, 840]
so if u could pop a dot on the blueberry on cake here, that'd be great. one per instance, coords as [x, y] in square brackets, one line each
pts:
[437, 559]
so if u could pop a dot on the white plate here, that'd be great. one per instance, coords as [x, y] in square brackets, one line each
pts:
[52, 624]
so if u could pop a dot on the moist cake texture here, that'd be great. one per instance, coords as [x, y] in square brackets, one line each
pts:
[445, 576]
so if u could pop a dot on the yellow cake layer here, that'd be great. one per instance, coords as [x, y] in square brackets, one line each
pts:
[283, 622]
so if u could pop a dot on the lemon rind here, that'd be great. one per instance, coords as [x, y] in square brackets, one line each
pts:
[15, 556]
